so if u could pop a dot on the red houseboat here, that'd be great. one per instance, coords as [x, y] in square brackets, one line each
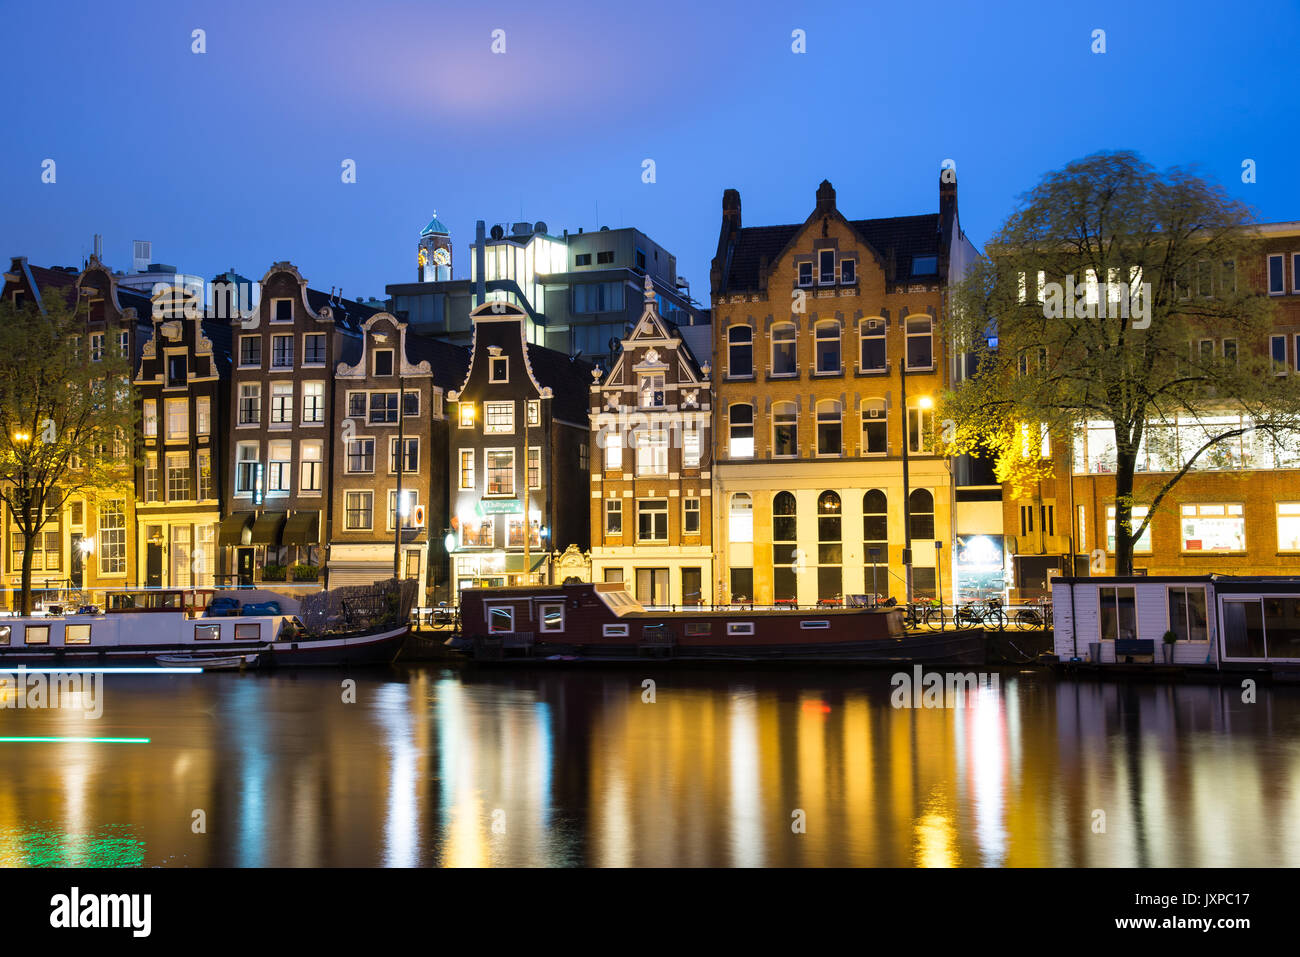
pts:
[602, 622]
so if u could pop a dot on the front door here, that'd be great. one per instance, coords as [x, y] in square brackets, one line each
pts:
[153, 565]
[245, 560]
[76, 561]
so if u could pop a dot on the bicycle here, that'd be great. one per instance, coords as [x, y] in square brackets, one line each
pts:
[987, 612]
[1038, 615]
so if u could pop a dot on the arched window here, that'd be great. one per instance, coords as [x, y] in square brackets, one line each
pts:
[740, 518]
[921, 505]
[785, 537]
[875, 427]
[920, 342]
[828, 346]
[785, 430]
[741, 420]
[784, 360]
[829, 427]
[830, 547]
[740, 352]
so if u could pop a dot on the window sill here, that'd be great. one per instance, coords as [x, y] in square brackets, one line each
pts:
[868, 373]
[837, 374]
[782, 376]
[740, 378]
[929, 368]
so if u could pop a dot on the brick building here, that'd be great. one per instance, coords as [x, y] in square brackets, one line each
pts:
[651, 474]
[829, 362]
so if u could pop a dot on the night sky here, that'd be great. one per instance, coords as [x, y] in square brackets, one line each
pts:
[232, 158]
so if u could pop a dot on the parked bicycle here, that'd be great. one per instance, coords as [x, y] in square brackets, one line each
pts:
[926, 611]
[987, 612]
[1037, 615]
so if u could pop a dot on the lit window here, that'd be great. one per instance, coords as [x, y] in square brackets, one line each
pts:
[500, 418]
[358, 510]
[920, 429]
[313, 401]
[1213, 528]
[613, 516]
[652, 520]
[741, 418]
[467, 415]
[740, 518]
[467, 468]
[875, 428]
[785, 430]
[310, 480]
[1139, 513]
[651, 452]
[500, 472]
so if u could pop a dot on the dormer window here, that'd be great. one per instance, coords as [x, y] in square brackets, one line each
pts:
[282, 310]
[383, 362]
[925, 265]
[176, 370]
[826, 267]
[499, 369]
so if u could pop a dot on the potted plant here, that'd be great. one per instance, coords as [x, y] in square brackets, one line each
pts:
[1170, 637]
[272, 572]
[306, 573]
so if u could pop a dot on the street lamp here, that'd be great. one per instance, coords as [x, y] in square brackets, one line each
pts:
[938, 576]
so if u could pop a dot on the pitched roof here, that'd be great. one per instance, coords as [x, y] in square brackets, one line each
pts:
[349, 314]
[448, 362]
[569, 380]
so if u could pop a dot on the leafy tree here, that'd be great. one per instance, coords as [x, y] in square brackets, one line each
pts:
[66, 419]
[1089, 305]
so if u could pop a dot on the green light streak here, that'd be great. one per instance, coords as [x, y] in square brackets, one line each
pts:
[60, 739]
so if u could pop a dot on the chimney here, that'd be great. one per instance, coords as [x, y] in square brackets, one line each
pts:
[480, 262]
[825, 198]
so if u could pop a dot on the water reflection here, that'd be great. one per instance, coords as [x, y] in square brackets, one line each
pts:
[485, 768]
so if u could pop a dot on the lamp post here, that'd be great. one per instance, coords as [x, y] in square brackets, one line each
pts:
[875, 589]
[938, 576]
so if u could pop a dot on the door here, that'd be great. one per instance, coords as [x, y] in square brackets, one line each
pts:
[153, 565]
[244, 560]
[1243, 628]
[692, 587]
[76, 561]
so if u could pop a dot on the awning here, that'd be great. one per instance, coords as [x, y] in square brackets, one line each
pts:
[302, 528]
[234, 528]
[266, 530]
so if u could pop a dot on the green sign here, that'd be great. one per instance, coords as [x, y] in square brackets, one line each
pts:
[498, 506]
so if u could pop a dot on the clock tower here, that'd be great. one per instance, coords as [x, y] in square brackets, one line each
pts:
[434, 254]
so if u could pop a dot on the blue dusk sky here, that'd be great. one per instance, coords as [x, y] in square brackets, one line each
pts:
[233, 157]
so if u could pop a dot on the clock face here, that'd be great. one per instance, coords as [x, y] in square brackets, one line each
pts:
[441, 257]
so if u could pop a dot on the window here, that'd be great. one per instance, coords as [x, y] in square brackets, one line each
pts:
[1139, 512]
[740, 628]
[1213, 528]
[478, 532]
[178, 476]
[501, 619]
[383, 408]
[203, 415]
[830, 548]
[250, 352]
[310, 471]
[500, 418]
[925, 265]
[1082, 531]
[875, 428]
[515, 532]
[848, 272]
[640, 260]
[411, 459]
[921, 505]
[176, 371]
[920, 426]
[613, 450]
[651, 391]
[1276, 281]
[873, 346]
[358, 510]
[1288, 527]
[1277, 346]
[1187, 618]
[534, 467]
[606, 257]
[97, 347]
[246, 462]
[785, 553]
[690, 445]
[250, 403]
[282, 310]
[313, 349]
[178, 418]
[582, 259]
[361, 456]
[1295, 272]
[409, 502]
[466, 468]
[613, 516]
[920, 342]
[207, 632]
[1230, 351]
[466, 415]
[248, 631]
[1026, 519]
[828, 347]
[652, 520]
[36, 635]
[826, 267]
[651, 451]
[829, 427]
[875, 528]
[110, 543]
[282, 403]
[614, 631]
[1118, 607]
[740, 352]
[785, 430]
[551, 617]
[282, 352]
[784, 350]
[806, 274]
[690, 516]
[499, 369]
[741, 423]
[279, 469]
[534, 412]
[313, 402]
[151, 478]
[500, 472]
[740, 518]
[410, 405]
[150, 419]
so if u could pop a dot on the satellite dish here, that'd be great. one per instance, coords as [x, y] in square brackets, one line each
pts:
[497, 232]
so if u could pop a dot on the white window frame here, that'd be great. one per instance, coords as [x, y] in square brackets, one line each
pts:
[1268, 274]
[541, 617]
[473, 471]
[488, 427]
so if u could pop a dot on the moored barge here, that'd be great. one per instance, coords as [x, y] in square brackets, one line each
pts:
[603, 622]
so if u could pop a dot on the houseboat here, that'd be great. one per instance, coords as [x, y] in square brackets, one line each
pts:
[366, 625]
[603, 622]
[1216, 622]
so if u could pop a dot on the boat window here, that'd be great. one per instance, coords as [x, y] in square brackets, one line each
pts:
[252, 629]
[76, 635]
[740, 628]
[37, 634]
[615, 631]
[5, 632]
[207, 632]
[501, 619]
[818, 623]
[552, 617]
[699, 627]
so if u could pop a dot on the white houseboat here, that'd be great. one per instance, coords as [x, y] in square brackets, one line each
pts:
[1220, 622]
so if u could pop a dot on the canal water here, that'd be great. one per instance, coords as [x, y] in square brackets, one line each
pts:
[439, 767]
